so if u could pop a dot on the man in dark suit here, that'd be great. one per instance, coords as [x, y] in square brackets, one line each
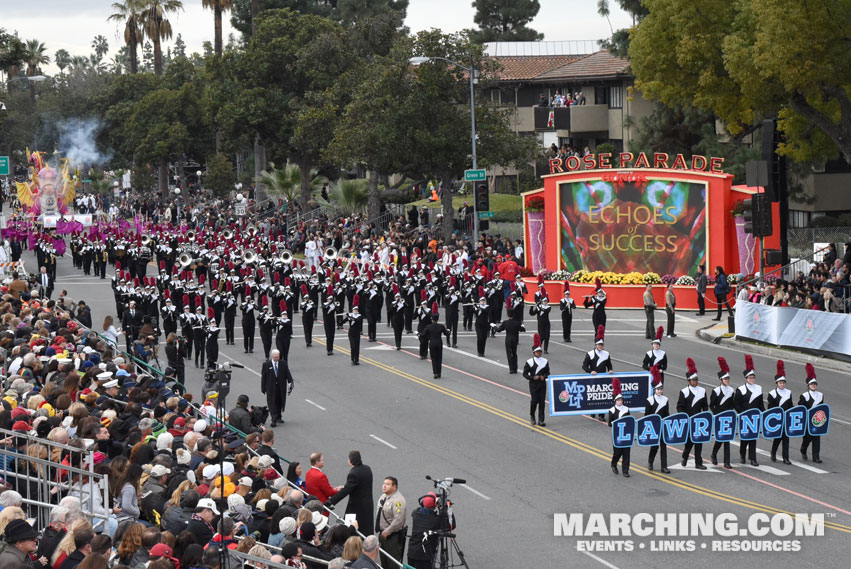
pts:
[358, 488]
[131, 321]
[276, 382]
[45, 283]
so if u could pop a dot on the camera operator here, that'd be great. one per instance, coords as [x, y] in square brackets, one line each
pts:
[240, 417]
[425, 523]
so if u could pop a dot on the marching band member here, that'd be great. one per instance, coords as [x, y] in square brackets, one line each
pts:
[433, 334]
[657, 404]
[248, 321]
[355, 319]
[267, 327]
[780, 397]
[186, 323]
[512, 329]
[749, 396]
[536, 370]
[423, 320]
[542, 309]
[285, 331]
[722, 399]
[619, 410]
[396, 310]
[656, 356]
[692, 401]
[597, 301]
[199, 335]
[169, 315]
[308, 315]
[812, 396]
[452, 302]
[482, 322]
[598, 360]
[329, 313]
[567, 306]
[212, 340]
[230, 314]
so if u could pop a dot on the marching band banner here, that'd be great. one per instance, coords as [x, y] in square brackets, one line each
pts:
[794, 327]
[585, 394]
[702, 428]
[51, 221]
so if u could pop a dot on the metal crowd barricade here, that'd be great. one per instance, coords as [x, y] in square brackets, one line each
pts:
[259, 563]
[28, 465]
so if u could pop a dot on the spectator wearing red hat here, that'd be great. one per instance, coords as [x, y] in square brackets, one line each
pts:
[424, 519]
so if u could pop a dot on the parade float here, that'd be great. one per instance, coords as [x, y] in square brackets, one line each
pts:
[631, 220]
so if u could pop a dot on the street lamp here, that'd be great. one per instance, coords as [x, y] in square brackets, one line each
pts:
[471, 71]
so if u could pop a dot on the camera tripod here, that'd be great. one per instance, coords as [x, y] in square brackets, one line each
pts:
[447, 546]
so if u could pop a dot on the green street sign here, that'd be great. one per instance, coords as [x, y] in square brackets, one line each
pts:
[4, 165]
[485, 214]
[474, 175]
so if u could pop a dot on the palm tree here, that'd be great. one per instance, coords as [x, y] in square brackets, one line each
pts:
[286, 182]
[62, 59]
[157, 27]
[347, 197]
[101, 46]
[129, 13]
[35, 55]
[218, 6]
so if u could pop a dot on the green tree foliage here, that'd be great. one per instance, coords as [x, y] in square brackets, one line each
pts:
[220, 175]
[129, 14]
[241, 15]
[505, 20]
[157, 26]
[346, 197]
[218, 7]
[12, 52]
[62, 59]
[101, 46]
[748, 60]
[618, 43]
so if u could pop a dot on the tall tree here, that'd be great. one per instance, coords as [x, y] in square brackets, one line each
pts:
[349, 11]
[35, 55]
[148, 56]
[218, 6]
[748, 60]
[129, 12]
[62, 59]
[101, 47]
[157, 26]
[12, 51]
[505, 20]
[179, 46]
[618, 43]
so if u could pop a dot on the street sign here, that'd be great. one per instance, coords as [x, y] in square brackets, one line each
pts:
[485, 214]
[474, 175]
[4, 165]
[240, 209]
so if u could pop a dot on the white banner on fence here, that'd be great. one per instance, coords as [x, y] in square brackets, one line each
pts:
[794, 327]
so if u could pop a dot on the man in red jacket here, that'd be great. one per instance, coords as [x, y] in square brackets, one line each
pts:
[316, 482]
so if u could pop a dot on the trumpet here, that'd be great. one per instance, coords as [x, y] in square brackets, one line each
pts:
[227, 234]
[330, 253]
[185, 260]
[249, 256]
[286, 256]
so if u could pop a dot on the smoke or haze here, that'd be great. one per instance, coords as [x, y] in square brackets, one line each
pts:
[77, 142]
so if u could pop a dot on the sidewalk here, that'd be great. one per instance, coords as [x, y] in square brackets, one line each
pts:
[704, 328]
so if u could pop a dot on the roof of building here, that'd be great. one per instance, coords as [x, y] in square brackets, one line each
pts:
[528, 67]
[600, 65]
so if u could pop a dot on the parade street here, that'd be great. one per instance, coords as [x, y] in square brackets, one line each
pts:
[473, 424]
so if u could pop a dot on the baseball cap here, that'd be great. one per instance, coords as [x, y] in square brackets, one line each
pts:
[160, 470]
[246, 481]
[207, 504]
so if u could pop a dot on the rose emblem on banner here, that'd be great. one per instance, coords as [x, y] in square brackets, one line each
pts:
[564, 396]
[819, 418]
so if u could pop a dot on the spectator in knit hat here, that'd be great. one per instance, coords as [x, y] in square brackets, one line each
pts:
[22, 540]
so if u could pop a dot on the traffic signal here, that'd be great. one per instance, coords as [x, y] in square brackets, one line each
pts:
[757, 214]
[483, 201]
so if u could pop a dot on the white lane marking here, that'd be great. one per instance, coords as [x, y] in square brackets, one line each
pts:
[766, 468]
[794, 462]
[382, 441]
[839, 421]
[691, 468]
[599, 559]
[476, 492]
[472, 355]
[247, 367]
[317, 405]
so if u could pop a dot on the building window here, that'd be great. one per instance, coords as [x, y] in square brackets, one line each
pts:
[601, 96]
[799, 218]
[616, 97]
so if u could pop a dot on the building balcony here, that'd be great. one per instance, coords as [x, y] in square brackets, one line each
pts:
[589, 118]
[561, 118]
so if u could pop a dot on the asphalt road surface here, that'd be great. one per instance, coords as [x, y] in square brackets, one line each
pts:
[473, 424]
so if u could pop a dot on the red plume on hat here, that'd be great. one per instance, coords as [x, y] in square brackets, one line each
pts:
[749, 363]
[167, 293]
[214, 284]
[135, 281]
[264, 300]
[536, 342]
[395, 288]
[356, 301]
[616, 388]
[287, 281]
[811, 371]
[423, 295]
[566, 286]
[211, 314]
[229, 286]
[434, 309]
[541, 278]
[185, 300]
[601, 333]
[330, 291]
[247, 290]
[259, 274]
[304, 290]
[657, 375]
[659, 332]
[508, 303]
[453, 281]
[722, 365]
[598, 284]
[691, 368]
[781, 371]
[162, 265]
[201, 278]
[283, 305]
[481, 292]
[198, 300]
[117, 265]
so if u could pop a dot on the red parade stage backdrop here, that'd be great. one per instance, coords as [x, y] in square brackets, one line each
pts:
[637, 218]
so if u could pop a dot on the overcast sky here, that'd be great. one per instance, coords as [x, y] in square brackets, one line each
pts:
[71, 24]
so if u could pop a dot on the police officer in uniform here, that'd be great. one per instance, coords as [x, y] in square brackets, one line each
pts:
[692, 401]
[536, 371]
[619, 410]
[512, 328]
[567, 306]
[812, 396]
[434, 333]
[656, 356]
[780, 397]
[657, 404]
[722, 399]
[749, 396]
